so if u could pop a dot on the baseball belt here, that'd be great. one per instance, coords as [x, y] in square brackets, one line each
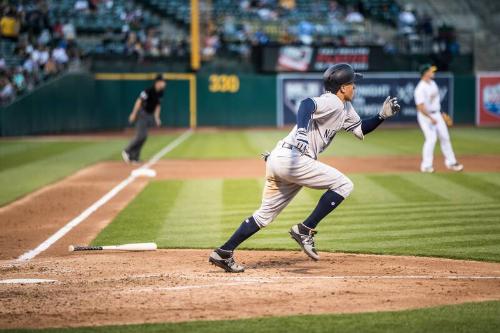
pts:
[291, 147]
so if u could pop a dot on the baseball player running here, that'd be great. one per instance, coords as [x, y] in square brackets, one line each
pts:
[145, 114]
[293, 163]
[431, 122]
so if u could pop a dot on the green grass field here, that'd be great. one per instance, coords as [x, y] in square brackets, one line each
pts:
[454, 215]
[28, 164]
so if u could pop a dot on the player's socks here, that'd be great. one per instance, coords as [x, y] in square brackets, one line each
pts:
[328, 202]
[245, 231]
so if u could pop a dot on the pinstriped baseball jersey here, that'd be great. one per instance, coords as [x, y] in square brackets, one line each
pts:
[330, 116]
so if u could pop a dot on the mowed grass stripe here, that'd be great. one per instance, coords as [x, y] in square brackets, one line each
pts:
[476, 184]
[143, 219]
[406, 189]
[27, 177]
[30, 152]
[194, 217]
[366, 190]
[441, 185]
[218, 145]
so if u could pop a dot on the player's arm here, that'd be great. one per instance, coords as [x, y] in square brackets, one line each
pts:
[157, 115]
[135, 110]
[389, 109]
[421, 109]
[304, 114]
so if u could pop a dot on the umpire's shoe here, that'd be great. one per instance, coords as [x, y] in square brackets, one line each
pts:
[224, 259]
[304, 236]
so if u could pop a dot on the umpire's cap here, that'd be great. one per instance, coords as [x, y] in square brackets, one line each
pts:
[159, 77]
[337, 75]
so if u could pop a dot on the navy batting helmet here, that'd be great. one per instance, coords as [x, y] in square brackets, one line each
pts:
[337, 75]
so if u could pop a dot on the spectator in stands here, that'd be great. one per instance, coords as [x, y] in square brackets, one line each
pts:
[60, 56]
[50, 68]
[305, 31]
[9, 24]
[353, 16]
[335, 12]
[19, 80]
[212, 44]
[81, 6]
[407, 20]
[7, 91]
[68, 30]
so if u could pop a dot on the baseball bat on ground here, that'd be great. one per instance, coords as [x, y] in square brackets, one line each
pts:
[124, 247]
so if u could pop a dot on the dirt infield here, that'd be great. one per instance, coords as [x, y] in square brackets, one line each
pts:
[118, 288]
[179, 285]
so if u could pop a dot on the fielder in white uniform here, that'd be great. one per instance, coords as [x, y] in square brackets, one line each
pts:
[293, 163]
[432, 123]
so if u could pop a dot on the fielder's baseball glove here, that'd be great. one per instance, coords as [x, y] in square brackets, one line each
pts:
[447, 119]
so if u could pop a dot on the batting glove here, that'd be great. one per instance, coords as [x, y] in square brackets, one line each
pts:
[389, 108]
[301, 140]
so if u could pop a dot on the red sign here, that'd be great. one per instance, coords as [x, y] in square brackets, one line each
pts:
[488, 99]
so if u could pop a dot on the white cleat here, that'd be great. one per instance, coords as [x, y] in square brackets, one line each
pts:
[455, 167]
[427, 170]
[306, 241]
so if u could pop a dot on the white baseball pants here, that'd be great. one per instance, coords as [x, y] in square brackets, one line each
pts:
[287, 171]
[431, 134]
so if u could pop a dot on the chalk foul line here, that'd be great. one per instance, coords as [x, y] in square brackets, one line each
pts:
[103, 200]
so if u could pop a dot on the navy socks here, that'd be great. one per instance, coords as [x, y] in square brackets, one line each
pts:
[246, 229]
[328, 202]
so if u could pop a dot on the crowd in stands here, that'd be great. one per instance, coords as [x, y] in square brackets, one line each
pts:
[42, 38]
[33, 49]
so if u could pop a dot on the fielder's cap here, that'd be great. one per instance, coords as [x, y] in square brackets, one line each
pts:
[159, 77]
[425, 67]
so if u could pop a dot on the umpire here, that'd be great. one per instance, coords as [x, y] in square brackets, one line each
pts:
[146, 113]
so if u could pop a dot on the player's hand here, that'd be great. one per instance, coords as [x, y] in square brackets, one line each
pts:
[132, 118]
[301, 140]
[433, 121]
[389, 108]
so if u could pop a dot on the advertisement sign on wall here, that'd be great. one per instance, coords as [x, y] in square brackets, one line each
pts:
[371, 92]
[303, 58]
[488, 99]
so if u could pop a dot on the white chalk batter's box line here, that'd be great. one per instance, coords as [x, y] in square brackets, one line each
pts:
[240, 281]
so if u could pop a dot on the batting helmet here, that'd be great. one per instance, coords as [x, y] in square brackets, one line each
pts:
[337, 75]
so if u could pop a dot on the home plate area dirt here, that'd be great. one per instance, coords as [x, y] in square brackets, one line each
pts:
[180, 285]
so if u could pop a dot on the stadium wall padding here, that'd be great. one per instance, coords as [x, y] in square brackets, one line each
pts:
[464, 99]
[72, 108]
[80, 103]
[252, 104]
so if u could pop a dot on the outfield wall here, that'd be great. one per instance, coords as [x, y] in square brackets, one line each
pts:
[86, 102]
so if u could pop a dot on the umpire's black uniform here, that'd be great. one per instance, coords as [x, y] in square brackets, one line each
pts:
[150, 99]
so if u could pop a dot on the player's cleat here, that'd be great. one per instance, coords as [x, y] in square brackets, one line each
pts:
[306, 241]
[455, 167]
[427, 170]
[125, 157]
[135, 162]
[225, 260]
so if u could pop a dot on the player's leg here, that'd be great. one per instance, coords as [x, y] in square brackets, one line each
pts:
[276, 195]
[318, 175]
[444, 140]
[430, 135]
